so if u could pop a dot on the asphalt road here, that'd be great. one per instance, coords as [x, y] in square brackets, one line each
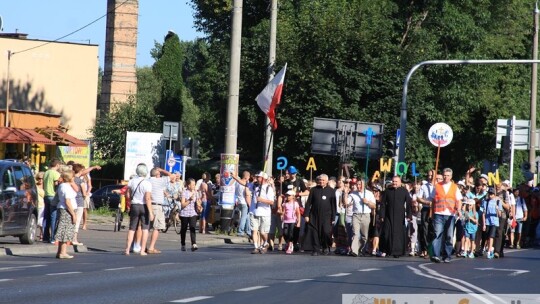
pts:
[230, 274]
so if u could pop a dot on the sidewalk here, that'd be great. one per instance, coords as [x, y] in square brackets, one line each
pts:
[100, 236]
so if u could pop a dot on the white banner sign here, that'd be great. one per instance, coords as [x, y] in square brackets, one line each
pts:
[142, 147]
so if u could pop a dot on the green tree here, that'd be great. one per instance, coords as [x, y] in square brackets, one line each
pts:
[136, 115]
[348, 60]
[175, 103]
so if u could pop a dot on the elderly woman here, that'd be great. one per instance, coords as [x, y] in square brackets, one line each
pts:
[67, 207]
[140, 193]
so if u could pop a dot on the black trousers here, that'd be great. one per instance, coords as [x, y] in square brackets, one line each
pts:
[423, 229]
[500, 237]
[184, 221]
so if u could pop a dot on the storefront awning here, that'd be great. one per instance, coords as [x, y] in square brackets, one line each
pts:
[61, 138]
[23, 136]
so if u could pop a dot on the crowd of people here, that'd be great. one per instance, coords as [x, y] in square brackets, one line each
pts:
[435, 218]
[63, 202]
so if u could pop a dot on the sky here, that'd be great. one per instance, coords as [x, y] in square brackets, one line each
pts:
[52, 19]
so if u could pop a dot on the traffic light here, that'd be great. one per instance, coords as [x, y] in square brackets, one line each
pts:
[505, 153]
[390, 149]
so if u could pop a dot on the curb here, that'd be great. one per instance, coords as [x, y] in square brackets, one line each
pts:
[36, 249]
[39, 249]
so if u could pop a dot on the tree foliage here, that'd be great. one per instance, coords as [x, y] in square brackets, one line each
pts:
[175, 103]
[348, 59]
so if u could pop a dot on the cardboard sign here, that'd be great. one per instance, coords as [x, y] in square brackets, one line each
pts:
[311, 164]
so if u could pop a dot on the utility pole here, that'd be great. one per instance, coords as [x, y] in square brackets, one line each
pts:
[534, 78]
[268, 138]
[231, 131]
[6, 119]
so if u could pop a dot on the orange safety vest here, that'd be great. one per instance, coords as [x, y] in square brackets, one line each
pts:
[445, 200]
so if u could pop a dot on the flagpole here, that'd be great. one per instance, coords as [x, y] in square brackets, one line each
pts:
[266, 157]
[269, 139]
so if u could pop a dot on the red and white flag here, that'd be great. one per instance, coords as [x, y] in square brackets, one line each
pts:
[270, 97]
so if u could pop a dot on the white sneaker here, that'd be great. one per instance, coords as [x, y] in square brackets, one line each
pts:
[136, 248]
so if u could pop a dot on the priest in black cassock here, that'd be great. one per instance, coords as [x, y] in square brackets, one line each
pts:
[320, 214]
[395, 206]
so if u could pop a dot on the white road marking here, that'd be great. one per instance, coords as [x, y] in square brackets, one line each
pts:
[369, 269]
[188, 300]
[251, 288]
[5, 280]
[338, 274]
[21, 267]
[299, 281]
[63, 273]
[515, 272]
[167, 263]
[480, 294]
[119, 268]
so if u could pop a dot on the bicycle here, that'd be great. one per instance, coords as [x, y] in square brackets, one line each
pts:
[172, 216]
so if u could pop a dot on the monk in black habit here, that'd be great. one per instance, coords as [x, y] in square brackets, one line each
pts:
[320, 214]
[396, 204]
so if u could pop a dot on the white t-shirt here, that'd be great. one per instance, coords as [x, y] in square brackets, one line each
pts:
[521, 207]
[65, 191]
[266, 192]
[358, 203]
[138, 186]
[159, 185]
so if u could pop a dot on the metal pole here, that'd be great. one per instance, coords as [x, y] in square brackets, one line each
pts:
[231, 131]
[403, 118]
[534, 82]
[512, 133]
[268, 138]
[7, 89]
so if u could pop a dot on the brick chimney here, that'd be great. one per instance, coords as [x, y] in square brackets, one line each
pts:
[119, 74]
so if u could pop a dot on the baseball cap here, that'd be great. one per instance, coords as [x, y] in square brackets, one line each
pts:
[262, 174]
[506, 182]
[491, 190]
[291, 192]
[470, 202]
[292, 170]
[484, 176]
[461, 183]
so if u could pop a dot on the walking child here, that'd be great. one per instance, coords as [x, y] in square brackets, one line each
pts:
[492, 210]
[291, 218]
[471, 226]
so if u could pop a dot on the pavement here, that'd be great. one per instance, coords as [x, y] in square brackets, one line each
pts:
[100, 237]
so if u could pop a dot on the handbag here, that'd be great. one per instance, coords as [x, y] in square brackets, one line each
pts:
[514, 223]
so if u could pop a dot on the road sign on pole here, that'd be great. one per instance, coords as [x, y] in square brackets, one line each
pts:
[520, 138]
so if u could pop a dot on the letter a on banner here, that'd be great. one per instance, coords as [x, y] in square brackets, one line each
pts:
[311, 164]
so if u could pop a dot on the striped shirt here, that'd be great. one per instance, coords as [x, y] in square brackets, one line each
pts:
[159, 185]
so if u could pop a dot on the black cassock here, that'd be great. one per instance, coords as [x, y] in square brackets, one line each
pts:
[396, 203]
[321, 210]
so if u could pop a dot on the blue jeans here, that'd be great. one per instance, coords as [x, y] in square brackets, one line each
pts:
[49, 225]
[243, 226]
[444, 225]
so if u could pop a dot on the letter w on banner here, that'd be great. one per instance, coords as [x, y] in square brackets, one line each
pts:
[270, 97]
